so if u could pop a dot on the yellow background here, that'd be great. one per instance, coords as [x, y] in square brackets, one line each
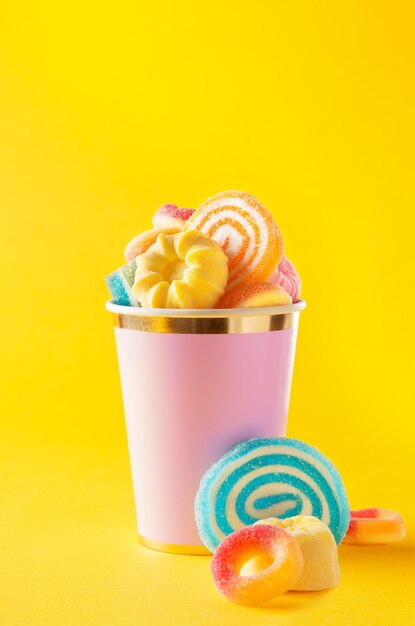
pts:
[107, 111]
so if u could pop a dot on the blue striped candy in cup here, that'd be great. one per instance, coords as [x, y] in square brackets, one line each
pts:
[269, 477]
[120, 284]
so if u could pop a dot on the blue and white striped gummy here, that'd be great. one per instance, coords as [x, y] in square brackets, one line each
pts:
[269, 477]
[120, 284]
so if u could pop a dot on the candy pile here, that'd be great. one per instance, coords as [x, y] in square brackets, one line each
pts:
[272, 511]
[236, 259]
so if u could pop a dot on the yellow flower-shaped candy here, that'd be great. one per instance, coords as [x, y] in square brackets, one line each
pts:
[182, 271]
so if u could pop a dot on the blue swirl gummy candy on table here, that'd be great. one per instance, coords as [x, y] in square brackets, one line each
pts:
[120, 284]
[269, 477]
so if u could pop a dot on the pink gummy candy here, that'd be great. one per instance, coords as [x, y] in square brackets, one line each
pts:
[171, 216]
[286, 277]
[175, 211]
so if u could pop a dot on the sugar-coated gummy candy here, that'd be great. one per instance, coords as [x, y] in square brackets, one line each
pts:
[321, 561]
[269, 477]
[120, 284]
[247, 233]
[171, 216]
[185, 270]
[249, 295]
[375, 526]
[284, 563]
[287, 277]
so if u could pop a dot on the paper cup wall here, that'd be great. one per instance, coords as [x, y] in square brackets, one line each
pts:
[194, 383]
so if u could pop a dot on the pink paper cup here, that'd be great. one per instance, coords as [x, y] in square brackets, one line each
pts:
[195, 383]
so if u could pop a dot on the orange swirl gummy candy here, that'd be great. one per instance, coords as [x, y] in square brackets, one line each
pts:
[247, 233]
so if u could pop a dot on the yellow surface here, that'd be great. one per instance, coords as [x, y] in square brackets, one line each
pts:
[108, 110]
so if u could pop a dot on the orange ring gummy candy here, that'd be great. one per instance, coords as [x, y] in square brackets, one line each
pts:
[276, 544]
[247, 233]
[375, 526]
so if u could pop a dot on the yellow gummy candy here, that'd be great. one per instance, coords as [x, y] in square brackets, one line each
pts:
[318, 546]
[182, 271]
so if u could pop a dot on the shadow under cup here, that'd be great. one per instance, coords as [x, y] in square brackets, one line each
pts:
[195, 383]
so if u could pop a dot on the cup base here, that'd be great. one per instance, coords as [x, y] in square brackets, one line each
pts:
[173, 548]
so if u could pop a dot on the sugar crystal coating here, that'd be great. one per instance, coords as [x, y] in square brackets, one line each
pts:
[171, 216]
[120, 284]
[287, 277]
[247, 295]
[247, 233]
[284, 564]
[375, 526]
[269, 477]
